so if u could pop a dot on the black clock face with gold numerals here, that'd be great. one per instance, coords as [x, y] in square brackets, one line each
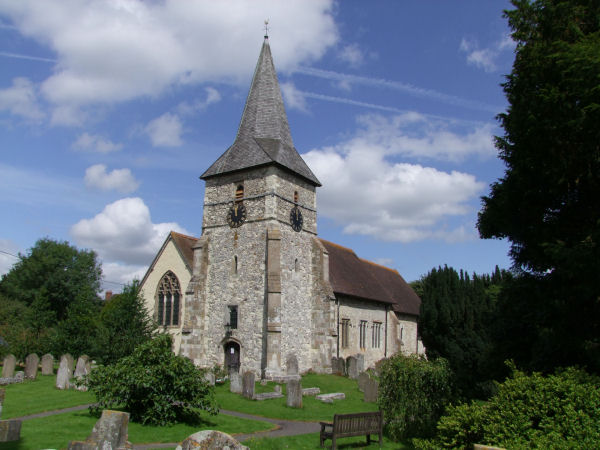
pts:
[296, 218]
[236, 215]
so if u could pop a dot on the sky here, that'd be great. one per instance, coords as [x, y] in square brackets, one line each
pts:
[110, 111]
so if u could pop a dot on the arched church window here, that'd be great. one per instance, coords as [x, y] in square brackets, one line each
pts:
[169, 299]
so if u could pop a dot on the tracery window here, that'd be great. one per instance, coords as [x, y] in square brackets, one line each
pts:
[169, 299]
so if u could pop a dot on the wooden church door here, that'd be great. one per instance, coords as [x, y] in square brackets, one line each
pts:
[232, 357]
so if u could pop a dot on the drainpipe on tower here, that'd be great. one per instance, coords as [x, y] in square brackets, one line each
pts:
[337, 301]
[385, 343]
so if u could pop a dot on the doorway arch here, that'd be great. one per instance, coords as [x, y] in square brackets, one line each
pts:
[232, 356]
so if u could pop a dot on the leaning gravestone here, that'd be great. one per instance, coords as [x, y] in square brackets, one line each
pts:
[210, 440]
[31, 366]
[8, 369]
[291, 364]
[110, 432]
[371, 390]
[352, 363]
[248, 385]
[235, 383]
[362, 380]
[65, 372]
[47, 364]
[294, 393]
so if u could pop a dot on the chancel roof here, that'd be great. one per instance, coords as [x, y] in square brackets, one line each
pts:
[263, 137]
[356, 277]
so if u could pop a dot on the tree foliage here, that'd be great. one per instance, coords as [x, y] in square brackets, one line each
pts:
[547, 202]
[529, 411]
[457, 313]
[153, 384]
[413, 393]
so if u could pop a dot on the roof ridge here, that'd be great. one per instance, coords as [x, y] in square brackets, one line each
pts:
[339, 246]
[182, 235]
[379, 265]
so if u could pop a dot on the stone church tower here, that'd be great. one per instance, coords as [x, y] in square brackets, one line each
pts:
[252, 290]
[259, 285]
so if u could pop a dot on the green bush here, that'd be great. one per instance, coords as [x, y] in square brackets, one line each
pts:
[529, 411]
[413, 393]
[153, 384]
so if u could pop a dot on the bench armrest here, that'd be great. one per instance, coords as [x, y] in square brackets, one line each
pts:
[325, 424]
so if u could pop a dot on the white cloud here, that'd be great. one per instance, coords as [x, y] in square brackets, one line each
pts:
[120, 180]
[115, 51]
[368, 193]
[294, 98]
[485, 58]
[123, 232]
[21, 100]
[96, 143]
[8, 255]
[165, 131]
[352, 55]
[117, 274]
[212, 96]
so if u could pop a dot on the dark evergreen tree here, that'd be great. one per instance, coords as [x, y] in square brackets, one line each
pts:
[547, 203]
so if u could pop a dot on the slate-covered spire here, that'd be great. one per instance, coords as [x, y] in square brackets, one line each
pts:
[263, 136]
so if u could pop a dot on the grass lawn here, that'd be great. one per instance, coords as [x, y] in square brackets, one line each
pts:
[40, 395]
[312, 409]
[311, 441]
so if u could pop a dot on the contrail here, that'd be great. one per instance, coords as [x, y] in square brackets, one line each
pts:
[29, 57]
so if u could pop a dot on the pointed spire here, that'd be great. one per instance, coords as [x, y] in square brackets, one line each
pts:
[263, 136]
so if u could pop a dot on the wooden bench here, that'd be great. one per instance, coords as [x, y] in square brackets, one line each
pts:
[347, 425]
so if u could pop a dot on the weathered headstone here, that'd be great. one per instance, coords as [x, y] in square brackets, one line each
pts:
[65, 372]
[110, 432]
[210, 440]
[248, 384]
[210, 378]
[341, 366]
[31, 366]
[329, 398]
[334, 366]
[235, 382]
[352, 364]
[294, 393]
[291, 364]
[47, 364]
[8, 369]
[19, 376]
[83, 366]
[360, 362]
[371, 390]
[362, 379]
[277, 388]
[311, 391]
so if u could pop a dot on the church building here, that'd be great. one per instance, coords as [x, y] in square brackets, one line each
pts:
[259, 284]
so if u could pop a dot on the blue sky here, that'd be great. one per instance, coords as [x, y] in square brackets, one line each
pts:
[110, 111]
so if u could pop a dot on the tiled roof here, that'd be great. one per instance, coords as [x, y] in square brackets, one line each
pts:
[356, 277]
[185, 245]
[263, 137]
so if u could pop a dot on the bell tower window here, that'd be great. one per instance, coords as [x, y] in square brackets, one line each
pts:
[168, 301]
[239, 193]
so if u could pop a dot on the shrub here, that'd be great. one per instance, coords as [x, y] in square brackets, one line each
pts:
[413, 393]
[529, 411]
[156, 386]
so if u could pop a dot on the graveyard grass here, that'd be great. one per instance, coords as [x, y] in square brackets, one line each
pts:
[57, 430]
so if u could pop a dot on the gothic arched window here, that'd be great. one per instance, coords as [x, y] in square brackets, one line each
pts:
[169, 299]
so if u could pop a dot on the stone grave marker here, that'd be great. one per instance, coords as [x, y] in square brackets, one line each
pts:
[334, 366]
[277, 388]
[210, 378]
[110, 432]
[360, 362]
[248, 384]
[65, 372]
[235, 382]
[19, 376]
[210, 439]
[362, 380]
[371, 391]
[294, 393]
[352, 363]
[83, 367]
[47, 364]
[31, 366]
[8, 369]
[291, 364]
[341, 369]
[311, 391]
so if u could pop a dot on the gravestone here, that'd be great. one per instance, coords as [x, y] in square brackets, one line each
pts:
[291, 364]
[248, 384]
[65, 372]
[371, 391]
[294, 393]
[19, 376]
[31, 366]
[8, 369]
[277, 388]
[352, 363]
[341, 368]
[110, 432]
[329, 398]
[210, 440]
[311, 391]
[47, 364]
[334, 366]
[378, 366]
[83, 368]
[235, 382]
[360, 362]
[362, 380]
[210, 378]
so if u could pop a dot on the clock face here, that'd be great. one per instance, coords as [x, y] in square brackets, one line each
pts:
[236, 215]
[296, 218]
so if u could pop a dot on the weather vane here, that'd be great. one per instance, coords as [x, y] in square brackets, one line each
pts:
[266, 28]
